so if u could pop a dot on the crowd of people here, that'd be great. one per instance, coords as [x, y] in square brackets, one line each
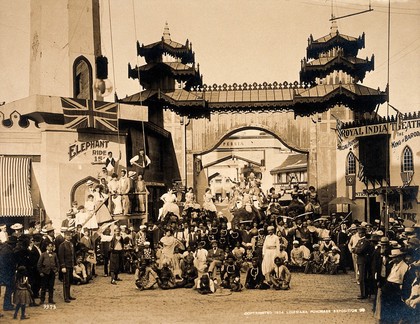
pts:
[206, 250]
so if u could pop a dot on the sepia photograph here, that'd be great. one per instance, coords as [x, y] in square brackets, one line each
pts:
[191, 161]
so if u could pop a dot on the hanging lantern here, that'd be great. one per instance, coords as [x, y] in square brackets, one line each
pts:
[103, 87]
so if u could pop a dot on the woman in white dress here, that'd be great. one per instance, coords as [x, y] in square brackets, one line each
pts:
[168, 243]
[169, 204]
[102, 212]
[208, 204]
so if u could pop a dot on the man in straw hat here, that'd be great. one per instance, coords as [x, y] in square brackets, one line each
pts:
[354, 238]
[392, 307]
[18, 229]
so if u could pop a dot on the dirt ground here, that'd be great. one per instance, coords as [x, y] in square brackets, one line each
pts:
[311, 299]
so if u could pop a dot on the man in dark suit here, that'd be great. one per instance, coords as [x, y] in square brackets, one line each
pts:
[7, 272]
[215, 257]
[47, 267]
[34, 254]
[363, 250]
[66, 260]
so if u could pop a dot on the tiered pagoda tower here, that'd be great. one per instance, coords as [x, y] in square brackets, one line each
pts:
[329, 76]
[169, 72]
[333, 59]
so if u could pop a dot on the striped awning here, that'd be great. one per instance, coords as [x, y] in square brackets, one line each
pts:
[15, 184]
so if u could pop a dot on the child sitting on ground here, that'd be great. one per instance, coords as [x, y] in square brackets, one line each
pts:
[145, 276]
[254, 277]
[280, 276]
[332, 261]
[80, 276]
[231, 274]
[315, 262]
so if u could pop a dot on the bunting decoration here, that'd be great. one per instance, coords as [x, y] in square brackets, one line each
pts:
[361, 173]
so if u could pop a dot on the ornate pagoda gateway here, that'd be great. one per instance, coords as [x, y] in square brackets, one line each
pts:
[302, 115]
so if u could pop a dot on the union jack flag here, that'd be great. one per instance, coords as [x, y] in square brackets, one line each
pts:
[85, 113]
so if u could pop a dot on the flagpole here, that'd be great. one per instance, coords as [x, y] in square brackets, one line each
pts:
[387, 155]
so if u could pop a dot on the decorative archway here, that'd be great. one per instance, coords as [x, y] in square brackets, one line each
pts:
[77, 192]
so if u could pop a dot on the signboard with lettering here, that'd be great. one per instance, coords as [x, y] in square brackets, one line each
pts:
[401, 132]
[97, 150]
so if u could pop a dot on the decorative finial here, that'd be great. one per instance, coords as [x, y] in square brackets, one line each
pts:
[166, 33]
[334, 27]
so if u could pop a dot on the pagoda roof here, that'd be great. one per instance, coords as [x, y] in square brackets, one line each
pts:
[301, 99]
[177, 97]
[176, 68]
[155, 50]
[322, 66]
[350, 45]
[293, 163]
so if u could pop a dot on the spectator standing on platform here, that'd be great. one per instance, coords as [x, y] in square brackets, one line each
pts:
[124, 190]
[111, 162]
[141, 160]
[142, 193]
[114, 190]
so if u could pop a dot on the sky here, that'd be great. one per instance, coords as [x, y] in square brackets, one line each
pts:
[235, 41]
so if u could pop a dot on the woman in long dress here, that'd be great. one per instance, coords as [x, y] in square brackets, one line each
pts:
[168, 243]
[208, 204]
[100, 198]
[169, 204]
[189, 199]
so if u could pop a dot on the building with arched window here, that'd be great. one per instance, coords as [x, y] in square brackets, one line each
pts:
[381, 159]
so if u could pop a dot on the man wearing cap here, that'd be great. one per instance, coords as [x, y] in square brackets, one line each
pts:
[270, 250]
[364, 251]
[66, 260]
[69, 221]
